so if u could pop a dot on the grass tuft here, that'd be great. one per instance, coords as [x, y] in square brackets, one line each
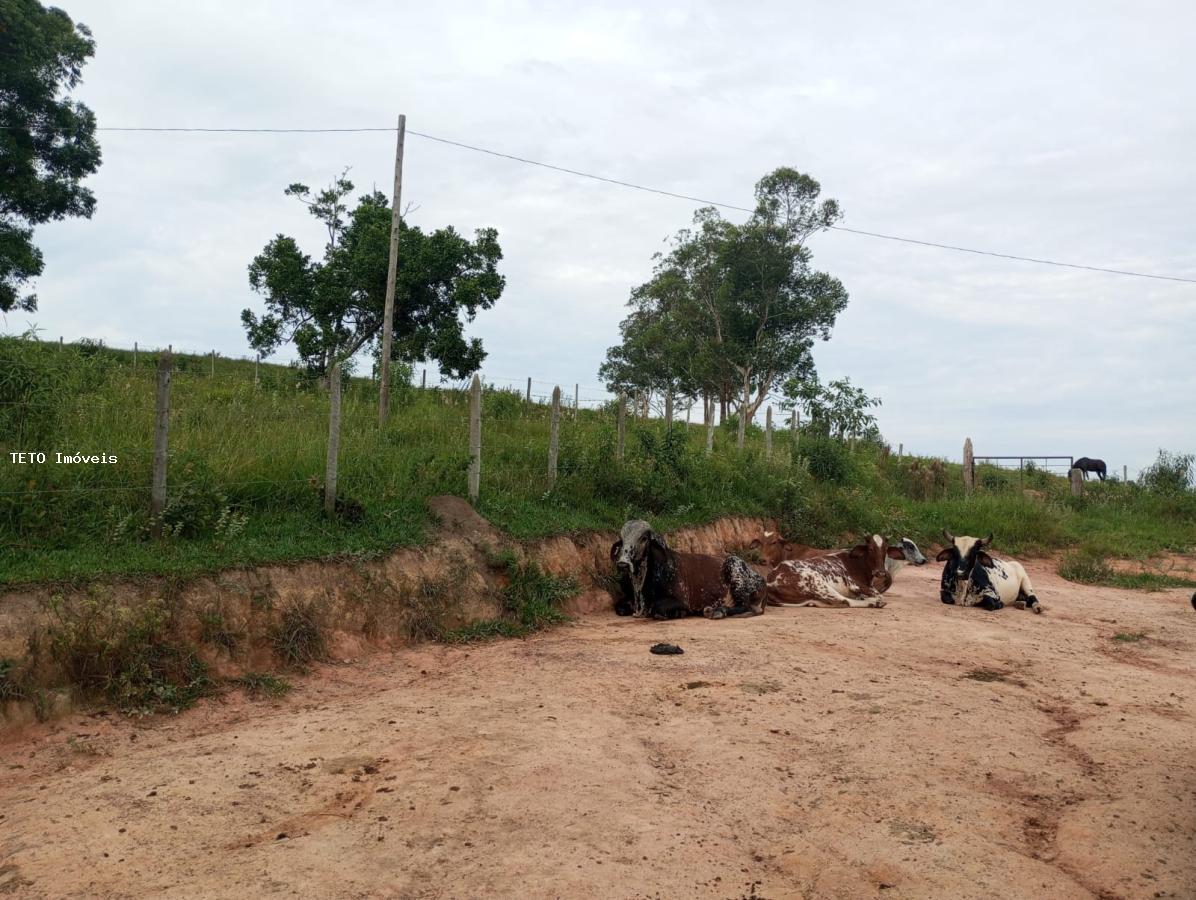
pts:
[298, 638]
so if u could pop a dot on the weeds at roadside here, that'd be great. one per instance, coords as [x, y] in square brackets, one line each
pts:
[299, 639]
[531, 602]
[1129, 637]
[262, 684]
[214, 628]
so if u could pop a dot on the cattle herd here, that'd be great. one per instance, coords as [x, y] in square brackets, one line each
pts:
[659, 582]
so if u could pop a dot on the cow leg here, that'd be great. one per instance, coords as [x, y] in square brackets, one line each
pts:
[991, 602]
[866, 602]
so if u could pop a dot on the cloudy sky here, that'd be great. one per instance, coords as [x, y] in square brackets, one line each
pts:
[1062, 131]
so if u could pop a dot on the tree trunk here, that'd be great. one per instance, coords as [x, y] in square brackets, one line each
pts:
[743, 414]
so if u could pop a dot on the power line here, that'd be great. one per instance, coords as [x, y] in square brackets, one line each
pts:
[659, 191]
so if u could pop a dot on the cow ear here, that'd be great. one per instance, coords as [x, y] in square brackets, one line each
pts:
[859, 551]
[756, 544]
[615, 549]
[984, 559]
[944, 554]
[895, 553]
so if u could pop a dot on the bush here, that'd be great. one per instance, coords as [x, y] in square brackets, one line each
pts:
[1086, 566]
[128, 655]
[1171, 473]
[829, 460]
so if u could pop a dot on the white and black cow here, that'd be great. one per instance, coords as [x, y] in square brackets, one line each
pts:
[973, 577]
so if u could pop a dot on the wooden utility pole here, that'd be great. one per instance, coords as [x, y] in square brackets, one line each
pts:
[475, 439]
[161, 442]
[334, 440]
[622, 427]
[392, 272]
[554, 436]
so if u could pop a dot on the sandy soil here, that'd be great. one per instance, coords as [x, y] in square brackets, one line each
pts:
[916, 751]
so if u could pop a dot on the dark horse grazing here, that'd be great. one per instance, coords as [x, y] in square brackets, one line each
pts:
[1086, 465]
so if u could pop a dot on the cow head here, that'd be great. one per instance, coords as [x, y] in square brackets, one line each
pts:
[774, 550]
[906, 551]
[963, 554]
[875, 550]
[631, 554]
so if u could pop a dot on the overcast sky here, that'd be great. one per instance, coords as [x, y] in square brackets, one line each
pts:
[1061, 130]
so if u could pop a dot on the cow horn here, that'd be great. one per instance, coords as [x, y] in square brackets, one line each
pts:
[989, 539]
[949, 536]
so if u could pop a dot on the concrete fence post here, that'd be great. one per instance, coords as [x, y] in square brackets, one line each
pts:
[768, 433]
[900, 451]
[257, 362]
[161, 443]
[213, 373]
[576, 400]
[969, 468]
[1125, 474]
[793, 426]
[475, 439]
[1077, 482]
[334, 440]
[528, 398]
[554, 436]
[622, 428]
[423, 380]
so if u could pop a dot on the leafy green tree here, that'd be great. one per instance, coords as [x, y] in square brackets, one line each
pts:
[333, 307]
[839, 409]
[47, 140]
[742, 305]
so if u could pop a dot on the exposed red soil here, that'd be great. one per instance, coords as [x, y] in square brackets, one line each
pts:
[920, 750]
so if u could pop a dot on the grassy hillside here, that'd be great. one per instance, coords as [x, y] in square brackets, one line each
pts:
[247, 460]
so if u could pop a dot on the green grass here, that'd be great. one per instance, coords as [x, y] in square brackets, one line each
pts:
[531, 601]
[263, 684]
[1129, 637]
[247, 460]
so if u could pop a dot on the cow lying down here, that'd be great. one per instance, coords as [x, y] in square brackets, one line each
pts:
[855, 577]
[774, 550]
[665, 584]
[972, 577]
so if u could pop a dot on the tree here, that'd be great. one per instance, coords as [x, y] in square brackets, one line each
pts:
[47, 140]
[839, 408]
[743, 304]
[333, 308]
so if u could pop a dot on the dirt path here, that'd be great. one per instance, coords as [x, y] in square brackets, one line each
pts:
[915, 751]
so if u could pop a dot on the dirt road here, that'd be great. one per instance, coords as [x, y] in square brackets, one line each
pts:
[916, 751]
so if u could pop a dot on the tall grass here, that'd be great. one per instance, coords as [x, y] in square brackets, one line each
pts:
[247, 461]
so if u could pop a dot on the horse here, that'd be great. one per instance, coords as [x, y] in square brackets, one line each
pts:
[1086, 465]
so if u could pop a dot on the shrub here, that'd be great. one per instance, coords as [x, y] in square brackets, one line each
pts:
[298, 639]
[1086, 566]
[128, 655]
[1170, 473]
[829, 460]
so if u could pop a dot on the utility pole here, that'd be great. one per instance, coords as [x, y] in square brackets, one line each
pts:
[392, 271]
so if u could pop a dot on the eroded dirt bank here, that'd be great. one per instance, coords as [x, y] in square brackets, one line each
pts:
[916, 751]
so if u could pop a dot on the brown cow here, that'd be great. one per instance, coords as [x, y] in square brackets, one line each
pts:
[774, 550]
[665, 584]
[854, 577]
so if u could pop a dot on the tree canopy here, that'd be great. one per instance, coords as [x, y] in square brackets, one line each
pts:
[47, 140]
[733, 310]
[332, 308]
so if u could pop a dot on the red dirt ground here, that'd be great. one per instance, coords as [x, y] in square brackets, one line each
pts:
[916, 751]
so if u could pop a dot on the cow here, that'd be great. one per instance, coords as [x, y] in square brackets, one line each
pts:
[666, 584]
[773, 551]
[972, 577]
[854, 577]
[1086, 465]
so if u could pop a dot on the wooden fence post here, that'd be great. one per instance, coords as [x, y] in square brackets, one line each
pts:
[60, 342]
[134, 354]
[768, 433]
[1125, 474]
[475, 439]
[1077, 482]
[622, 427]
[161, 442]
[708, 410]
[969, 468]
[423, 380]
[554, 436]
[213, 372]
[576, 398]
[900, 450]
[334, 440]
[793, 424]
[256, 364]
[528, 398]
